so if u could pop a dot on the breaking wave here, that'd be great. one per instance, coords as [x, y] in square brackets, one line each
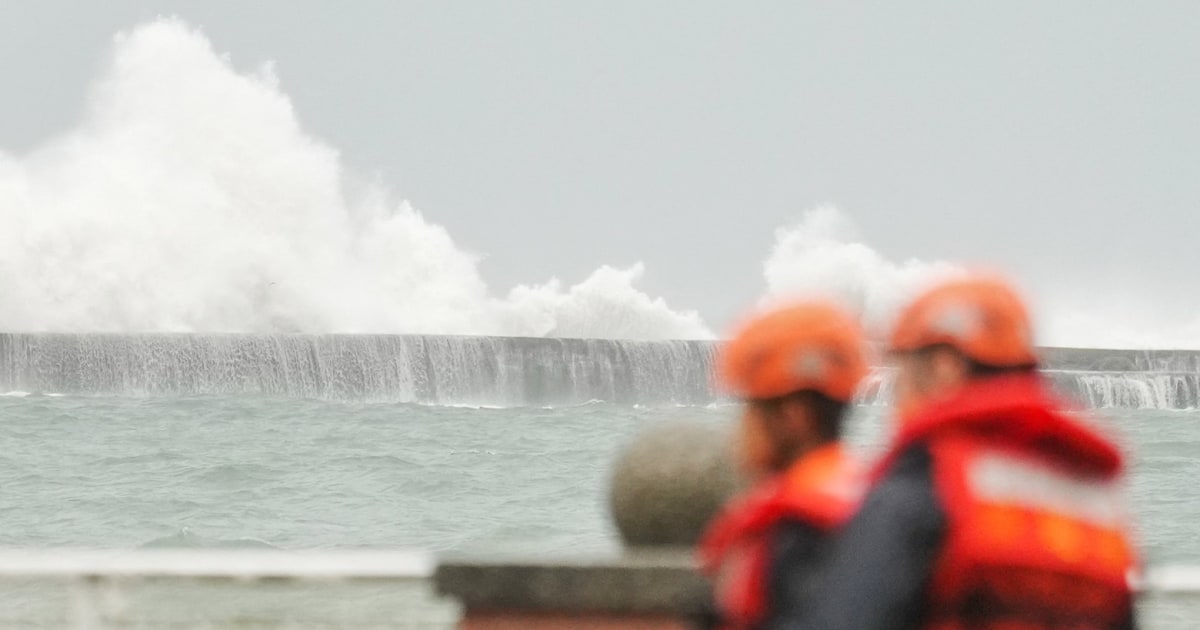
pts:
[190, 199]
[821, 255]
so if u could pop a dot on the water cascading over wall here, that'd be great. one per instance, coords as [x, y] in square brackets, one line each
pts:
[502, 371]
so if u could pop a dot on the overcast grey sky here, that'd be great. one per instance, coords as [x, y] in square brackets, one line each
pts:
[1059, 139]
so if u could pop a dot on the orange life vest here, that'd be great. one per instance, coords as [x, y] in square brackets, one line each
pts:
[1036, 533]
[822, 490]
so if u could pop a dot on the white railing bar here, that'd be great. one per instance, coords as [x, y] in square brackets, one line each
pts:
[319, 565]
[240, 564]
[1171, 579]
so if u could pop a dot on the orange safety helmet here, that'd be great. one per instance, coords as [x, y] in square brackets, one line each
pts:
[808, 346]
[980, 316]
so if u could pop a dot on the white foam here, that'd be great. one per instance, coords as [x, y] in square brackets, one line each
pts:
[821, 255]
[189, 198]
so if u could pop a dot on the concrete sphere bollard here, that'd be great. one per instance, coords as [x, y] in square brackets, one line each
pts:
[670, 481]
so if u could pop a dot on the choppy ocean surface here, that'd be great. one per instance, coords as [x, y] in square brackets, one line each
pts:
[300, 474]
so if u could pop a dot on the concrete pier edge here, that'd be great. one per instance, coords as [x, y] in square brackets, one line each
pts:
[658, 582]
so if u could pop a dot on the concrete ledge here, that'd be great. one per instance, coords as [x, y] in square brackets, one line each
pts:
[563, 621]
[651, 587]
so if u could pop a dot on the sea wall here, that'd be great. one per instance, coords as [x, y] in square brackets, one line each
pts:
[502, 371]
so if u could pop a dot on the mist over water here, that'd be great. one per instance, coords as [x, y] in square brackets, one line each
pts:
[189, 198]
[821, 255]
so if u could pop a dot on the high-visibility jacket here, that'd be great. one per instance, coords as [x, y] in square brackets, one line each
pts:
[1036, 528]
[820, 490]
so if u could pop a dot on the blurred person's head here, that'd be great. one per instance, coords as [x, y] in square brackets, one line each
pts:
[957, 332]
[796, 369]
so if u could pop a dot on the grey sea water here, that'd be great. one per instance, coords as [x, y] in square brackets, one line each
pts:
[298, 474]
[244, 471]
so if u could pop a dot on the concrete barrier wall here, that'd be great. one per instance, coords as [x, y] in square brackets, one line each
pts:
[501, 371]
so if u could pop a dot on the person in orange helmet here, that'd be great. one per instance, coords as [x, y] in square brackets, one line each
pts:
[994, 506]
[796, 369]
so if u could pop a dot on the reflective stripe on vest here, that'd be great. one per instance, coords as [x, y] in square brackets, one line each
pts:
[997, 477]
